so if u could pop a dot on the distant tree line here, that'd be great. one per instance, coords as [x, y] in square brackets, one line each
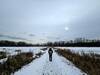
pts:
[79, 42]
[12, 43]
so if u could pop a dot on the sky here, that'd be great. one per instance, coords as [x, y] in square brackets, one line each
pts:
[39, 21]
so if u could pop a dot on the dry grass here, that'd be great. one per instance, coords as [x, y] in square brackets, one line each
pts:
[89, 63]
[15, 63]
[2, 54]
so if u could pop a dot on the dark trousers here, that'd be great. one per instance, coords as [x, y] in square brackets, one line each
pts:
[50, 57]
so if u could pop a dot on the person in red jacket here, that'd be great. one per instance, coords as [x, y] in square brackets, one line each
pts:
[50, 52]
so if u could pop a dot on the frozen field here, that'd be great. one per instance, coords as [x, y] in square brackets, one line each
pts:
[12, 50]
[84, 49]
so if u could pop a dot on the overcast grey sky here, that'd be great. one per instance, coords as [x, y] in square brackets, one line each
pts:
[49, 20]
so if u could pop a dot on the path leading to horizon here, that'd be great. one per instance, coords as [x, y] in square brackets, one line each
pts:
[42, 66]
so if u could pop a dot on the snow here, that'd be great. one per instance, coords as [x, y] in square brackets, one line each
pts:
[42, 66]
[12, 50]
[3, 60]
[84, 49]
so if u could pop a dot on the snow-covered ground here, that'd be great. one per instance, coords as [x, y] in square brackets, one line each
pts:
[37, 49]
[42, 66]
[84, 49]
[12, 50]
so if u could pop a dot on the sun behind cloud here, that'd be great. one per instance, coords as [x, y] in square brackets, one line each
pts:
[66, 28]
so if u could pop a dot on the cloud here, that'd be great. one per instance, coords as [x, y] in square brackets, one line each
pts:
[62, 18]
[52, 37]
[31, 35]
[13, 37]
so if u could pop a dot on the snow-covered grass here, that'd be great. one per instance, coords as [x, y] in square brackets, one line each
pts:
[12, 50]
[15, 62]
[89, 63]
[3, 60]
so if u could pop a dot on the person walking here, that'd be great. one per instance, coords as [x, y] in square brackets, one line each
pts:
[50, 52]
